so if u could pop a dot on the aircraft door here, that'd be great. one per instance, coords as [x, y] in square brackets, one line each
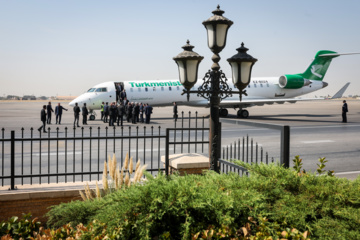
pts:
[120, 91]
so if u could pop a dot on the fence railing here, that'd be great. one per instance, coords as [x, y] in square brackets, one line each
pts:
[78, 154]
[249, 152]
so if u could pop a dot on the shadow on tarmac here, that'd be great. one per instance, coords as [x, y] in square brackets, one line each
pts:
[292, 118]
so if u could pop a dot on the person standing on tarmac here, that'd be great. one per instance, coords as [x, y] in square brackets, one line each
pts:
[76, 114]
[102, 111]
[175, 111]
[344, 111]
[142, 110]
[120, 112]
[58, 112]
[84, 114]
[106, 112]
[137, 112]
[148, 112]
[43, 119]
[129, 112]
[49, 110]
[113, 114]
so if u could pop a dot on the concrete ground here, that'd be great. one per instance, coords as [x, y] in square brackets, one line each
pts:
[316, 131]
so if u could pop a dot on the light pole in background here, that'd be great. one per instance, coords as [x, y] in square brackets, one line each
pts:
[215, 87]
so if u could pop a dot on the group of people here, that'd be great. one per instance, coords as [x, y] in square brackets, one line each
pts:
[115, 113]
[85, 114]
[134, 112]
[46, 113]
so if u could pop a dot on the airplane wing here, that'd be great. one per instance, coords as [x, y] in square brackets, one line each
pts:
[340, 93]
[260, 102]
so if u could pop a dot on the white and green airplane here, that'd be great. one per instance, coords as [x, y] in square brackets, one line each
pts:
[286, 88]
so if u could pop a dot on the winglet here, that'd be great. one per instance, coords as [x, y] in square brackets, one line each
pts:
[340, 93]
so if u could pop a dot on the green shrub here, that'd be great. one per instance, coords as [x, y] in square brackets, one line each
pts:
[272, 202]
[20, 227]
[75, 212]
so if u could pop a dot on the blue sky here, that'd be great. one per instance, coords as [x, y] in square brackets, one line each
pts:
[65, 47]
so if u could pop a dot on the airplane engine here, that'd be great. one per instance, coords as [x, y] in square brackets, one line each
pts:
[293, 81]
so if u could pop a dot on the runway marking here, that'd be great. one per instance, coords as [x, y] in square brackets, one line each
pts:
[226, 129]
[327, 126]
[54, 153]
[345, 173]
[318, 141]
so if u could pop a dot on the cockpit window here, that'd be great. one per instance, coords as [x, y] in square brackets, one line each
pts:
[91, 89]
[101, 90]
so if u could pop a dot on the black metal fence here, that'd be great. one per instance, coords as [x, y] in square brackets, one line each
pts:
[245, 150]
[78, 154]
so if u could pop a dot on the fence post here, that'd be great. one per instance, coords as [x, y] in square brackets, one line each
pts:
[12, 171]
[167, 152]
[285, 147]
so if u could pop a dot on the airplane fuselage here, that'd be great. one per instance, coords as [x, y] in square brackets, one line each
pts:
[164, 92]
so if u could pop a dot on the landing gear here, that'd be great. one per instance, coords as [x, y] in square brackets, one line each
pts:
[92, 115]
[223, 112]
[242, 113]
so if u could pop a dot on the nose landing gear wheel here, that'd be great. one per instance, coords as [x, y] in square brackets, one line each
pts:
[92, 117]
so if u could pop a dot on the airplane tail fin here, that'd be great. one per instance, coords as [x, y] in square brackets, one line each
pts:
[340, 93]
[319, 66]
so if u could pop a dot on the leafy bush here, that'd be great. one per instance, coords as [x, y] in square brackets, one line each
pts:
[75, 212]
[20, 227]
[272, 202]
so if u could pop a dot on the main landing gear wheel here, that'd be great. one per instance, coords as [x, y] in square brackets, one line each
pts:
[243, 113]
[223, 112]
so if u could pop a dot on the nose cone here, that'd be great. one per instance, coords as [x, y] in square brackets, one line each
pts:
[72, 103]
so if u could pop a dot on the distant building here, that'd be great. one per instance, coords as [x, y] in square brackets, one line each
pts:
[28, 97]
[43, 98]
[12, 97]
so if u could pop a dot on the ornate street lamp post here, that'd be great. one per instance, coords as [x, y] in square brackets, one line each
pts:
[215, 87]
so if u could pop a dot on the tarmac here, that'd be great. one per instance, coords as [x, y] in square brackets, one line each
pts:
[312, 115]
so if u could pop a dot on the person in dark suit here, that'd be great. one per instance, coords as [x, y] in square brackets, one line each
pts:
[43, 119]
[113, 114]
[148, 112]
[136, 112]
[125, 102]
[129, 110]
[142, 110]
[85, 112]
[49, 110]
[175, 111]
[344, 111]
[58, 112]
[76, 114]
[120, 112]
[122, 95]
[118, 91]
[106, 112]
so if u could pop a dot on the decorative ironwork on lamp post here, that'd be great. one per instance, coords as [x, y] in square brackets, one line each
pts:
[215, 87]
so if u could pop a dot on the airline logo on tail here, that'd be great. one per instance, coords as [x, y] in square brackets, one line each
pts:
[319, 66]
[315, 68]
